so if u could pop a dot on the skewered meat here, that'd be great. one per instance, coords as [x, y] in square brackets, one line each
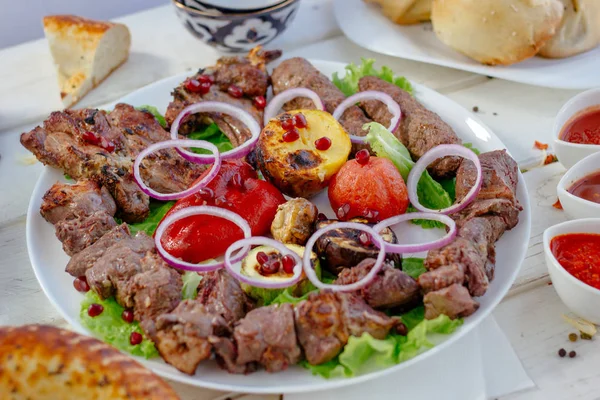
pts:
[181, 336]
[222, 295]
[390, 288]
[81, 232]
[453, 301]
[294, 221]
[247, 73]
[420, 130]
[299, 73]
[442, 277]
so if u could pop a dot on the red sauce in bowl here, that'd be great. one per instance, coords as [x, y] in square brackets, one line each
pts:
[579, 254]
[587, 188]
[584, 127]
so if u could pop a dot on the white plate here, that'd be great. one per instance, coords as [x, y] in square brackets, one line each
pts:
[49, 261]
[365, 25]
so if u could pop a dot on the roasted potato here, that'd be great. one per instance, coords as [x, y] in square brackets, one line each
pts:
[297, 168]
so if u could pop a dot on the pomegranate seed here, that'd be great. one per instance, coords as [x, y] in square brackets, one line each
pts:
[81, 284]
[192, 85]
[288, 263]
[107, 145]
[205, 87]
[206, 79]
[262, 257]
[270, 267]
[300, 121]
[90, 137]
[323, 143]
[236, 181]
[343, 211]
[364, 239]
[288, 124]
[260, 102]
[127, 316]
[135, 338]
[371, 214]
[291, 136]
[321, 217]
[362, 156]
[206, 193]
[95, 309]
[235, 91]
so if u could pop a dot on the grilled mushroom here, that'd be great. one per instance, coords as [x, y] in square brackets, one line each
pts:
[294, 221]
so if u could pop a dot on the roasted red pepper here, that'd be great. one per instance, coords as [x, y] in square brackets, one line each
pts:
[236, 188]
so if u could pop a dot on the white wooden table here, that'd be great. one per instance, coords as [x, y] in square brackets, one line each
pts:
[519, 114]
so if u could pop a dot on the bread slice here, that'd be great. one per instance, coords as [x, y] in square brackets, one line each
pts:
[47, 363]
[85, 52]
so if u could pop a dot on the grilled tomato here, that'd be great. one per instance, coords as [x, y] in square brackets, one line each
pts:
[299, 151]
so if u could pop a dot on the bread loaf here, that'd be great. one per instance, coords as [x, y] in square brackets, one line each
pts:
[405, 11]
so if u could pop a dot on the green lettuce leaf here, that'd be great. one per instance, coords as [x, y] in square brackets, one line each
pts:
[112, 329]
[158, 209]
[472, 148]
[154, 111]
[413, 266]
[349, 83]
[191, 280]
[212, 134]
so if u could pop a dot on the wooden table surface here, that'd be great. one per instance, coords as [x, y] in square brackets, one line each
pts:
[530, 316]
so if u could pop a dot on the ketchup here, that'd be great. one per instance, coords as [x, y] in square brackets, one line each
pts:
[587, 188]
[584, 127]
[579, 254]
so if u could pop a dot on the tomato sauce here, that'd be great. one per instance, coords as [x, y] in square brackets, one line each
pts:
[587, 188]
[579, 254]
[584, 127]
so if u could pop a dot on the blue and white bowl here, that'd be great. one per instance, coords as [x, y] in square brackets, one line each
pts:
[230, 6]
[237, 31]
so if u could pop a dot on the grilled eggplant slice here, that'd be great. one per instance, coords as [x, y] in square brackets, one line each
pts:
[297, 167]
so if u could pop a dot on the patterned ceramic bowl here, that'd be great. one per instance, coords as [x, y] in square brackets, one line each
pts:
[228, 6]
[237, 31]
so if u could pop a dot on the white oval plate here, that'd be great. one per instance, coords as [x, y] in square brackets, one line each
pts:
[365, 25]
[49, 261]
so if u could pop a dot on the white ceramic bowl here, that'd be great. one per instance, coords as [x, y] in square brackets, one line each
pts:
[570, 153]
[582, 299]
[574, 206]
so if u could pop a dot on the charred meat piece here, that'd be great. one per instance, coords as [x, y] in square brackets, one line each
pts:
[84, 260]
[507, 210]
[342, 248]
[222, 295]
[453, 301]
[226, 353]
[119, 263]
[326, 319]
[390, 288]
[267, 336]
[63, 201]
[442, 277]
[299, 73]
[81, 232]
[294, 221]
[420, 130]
[181, 336]
[248, 74]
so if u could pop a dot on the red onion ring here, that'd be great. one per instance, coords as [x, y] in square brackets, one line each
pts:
[199, 210]
[167, 144]
[393, 107]
[259, 240]
[224, 108]
[443, 150]
[311, 274]
[278, 101]
[415, 248]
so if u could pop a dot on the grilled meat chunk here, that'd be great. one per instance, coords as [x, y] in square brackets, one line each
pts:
[64, 202]
[226, 353]
[326, 319]
[453, 301]
[267, 336]
[390, 288]
[222, 295]
[442, 277]
[420, 130]
[81, 232]
[84, 260]
[299, 73]
[182, 336]
[247, 73]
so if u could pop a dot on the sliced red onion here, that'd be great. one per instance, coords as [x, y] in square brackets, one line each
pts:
[234, 267]
[443, 150]
[312, 275]
[167, 144]
[416, 248]
[385, 98]
[199, 210]
[223, 108]
[278, 101]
